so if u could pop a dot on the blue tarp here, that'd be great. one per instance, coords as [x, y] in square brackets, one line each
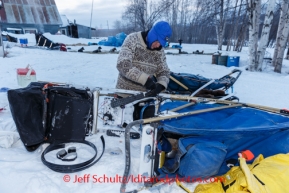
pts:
[177, 46]
[116, 40]
[238, 128]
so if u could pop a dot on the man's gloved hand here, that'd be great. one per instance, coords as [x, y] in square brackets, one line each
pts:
[150, 84]
[155, 91]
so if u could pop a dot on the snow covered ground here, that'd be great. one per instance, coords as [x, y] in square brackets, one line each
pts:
[21, 171]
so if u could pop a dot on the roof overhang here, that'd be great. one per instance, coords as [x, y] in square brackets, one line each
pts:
[14, 29]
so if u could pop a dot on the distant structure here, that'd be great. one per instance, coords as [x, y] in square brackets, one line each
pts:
[30, 16]
[105, 32]
[73, 29]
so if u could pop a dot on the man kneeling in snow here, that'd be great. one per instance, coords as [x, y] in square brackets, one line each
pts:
[142, 56]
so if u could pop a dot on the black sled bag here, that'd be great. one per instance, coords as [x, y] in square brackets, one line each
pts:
[69, 114]
[53, 114]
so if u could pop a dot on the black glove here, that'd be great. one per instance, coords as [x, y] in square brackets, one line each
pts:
[155, 91]
[150, 84]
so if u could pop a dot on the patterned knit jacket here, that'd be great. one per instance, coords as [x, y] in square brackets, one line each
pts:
[136, 63]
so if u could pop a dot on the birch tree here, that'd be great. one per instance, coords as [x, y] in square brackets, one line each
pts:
[284, 10]
[274, 27]
[282, 44]
[254, 10]
[265, 34]
[220, 23]
[282, 35]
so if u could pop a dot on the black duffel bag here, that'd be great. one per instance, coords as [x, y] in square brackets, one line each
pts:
[27, 109]
[69, 114]
[51, 114]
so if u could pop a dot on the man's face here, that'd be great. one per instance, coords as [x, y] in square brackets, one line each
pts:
[155, 45]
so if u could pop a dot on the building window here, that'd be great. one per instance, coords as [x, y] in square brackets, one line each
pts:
[63, 31]
[14, 30]
[30, 31]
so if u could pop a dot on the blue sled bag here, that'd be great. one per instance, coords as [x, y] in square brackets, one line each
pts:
[196, 158]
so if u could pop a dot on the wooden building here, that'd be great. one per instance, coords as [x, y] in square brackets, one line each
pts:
[75, 30]
[29, 16]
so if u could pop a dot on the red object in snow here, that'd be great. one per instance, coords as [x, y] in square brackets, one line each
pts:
[23, 71]
[25, 76]
[63, 47]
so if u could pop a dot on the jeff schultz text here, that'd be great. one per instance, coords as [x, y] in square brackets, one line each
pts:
[87, 178]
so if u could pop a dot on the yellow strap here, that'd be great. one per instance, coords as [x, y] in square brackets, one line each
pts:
[179, 83]
[182, 186]
[162, 159]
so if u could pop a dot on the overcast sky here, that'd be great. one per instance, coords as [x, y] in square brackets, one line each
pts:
[104, 11]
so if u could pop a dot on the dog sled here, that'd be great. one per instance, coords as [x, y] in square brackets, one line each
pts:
[198, 140]
[193, 85]
[173, 141]
[184, 83]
